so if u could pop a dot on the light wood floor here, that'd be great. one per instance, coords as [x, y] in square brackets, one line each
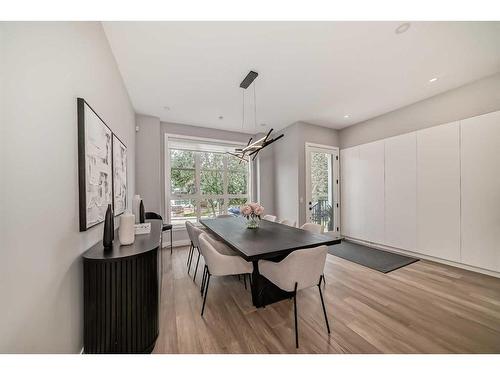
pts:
[425, 307]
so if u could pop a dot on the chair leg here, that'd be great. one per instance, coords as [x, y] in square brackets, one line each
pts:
[203, 279]
[245, 280]
[191, 259]
[189, 254]
[171, 245]
[206, 292]
[295, 314]
[323, 304]
[196, 268]
[324, 280]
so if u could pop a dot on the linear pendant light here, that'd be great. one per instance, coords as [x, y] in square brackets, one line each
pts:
[252, 148]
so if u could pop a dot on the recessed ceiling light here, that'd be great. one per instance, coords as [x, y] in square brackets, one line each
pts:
[433, 79]
[347, 116]
[221, 117]
[402, 28]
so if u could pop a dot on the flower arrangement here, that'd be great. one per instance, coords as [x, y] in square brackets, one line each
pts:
[252, 212]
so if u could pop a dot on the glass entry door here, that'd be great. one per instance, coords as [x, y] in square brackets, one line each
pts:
[322, 186]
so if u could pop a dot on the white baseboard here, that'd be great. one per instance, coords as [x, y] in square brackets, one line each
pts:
[423, 256]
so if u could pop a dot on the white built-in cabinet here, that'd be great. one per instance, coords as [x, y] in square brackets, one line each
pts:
[438, 191]
[435, 192]
[401, 191]
[371, 195]
[480, 162]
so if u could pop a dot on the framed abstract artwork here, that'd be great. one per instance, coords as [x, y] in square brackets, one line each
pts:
[119, 176]
[95, 174]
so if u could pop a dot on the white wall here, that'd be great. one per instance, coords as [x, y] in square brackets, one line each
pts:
[470, 100]
[45, 67]
[148, 183]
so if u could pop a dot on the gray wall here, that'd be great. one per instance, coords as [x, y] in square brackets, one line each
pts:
[286, 174]
[45, 67]
[148, 161]
[470, 100]
[289, 167]
[264, 178]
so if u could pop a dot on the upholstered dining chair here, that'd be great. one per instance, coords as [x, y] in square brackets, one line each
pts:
[290, 223]
[165, 226]
[194, 233]
[218, 264]
[269, 217]
[299, 270]
[312, 227]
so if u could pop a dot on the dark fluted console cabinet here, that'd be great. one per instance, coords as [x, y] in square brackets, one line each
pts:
[121, 295]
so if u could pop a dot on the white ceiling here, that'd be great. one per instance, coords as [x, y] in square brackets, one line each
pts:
[308, 71]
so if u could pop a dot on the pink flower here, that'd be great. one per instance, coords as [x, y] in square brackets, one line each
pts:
[259, 210]
[246, 210]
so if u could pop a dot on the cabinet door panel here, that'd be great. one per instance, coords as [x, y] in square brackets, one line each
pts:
[350, 208]
[480, 165]
[401, 191]
[371, 158]
[438, 191]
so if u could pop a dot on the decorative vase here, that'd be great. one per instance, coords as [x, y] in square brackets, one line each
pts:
[126, 231]
[252, 223]
[136, 202]
[109, 228]
[141, 212]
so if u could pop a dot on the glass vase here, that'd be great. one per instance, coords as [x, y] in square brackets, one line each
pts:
[252, 223]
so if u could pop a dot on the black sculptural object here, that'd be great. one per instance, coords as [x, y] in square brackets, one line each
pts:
[109, 228]
[141, 212]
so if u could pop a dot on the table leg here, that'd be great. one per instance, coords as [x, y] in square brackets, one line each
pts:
[265, 292]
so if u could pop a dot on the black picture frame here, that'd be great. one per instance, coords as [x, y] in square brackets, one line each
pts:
[115, 209]
[82, 163]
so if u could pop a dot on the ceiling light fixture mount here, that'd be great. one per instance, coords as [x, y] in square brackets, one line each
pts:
[347, 116]
[402, 28]
[434, 79]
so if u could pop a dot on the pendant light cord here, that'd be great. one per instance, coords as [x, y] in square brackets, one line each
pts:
[243, 109]
[255, 106]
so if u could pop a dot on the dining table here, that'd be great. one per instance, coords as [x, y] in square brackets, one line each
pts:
[270, 241]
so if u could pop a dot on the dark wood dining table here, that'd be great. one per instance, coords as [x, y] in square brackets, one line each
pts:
[270, 241]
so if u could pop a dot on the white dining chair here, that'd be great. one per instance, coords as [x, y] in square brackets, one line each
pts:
[218, 264]
[312, 227]
[299, 270]
[269, 217]
[193, 233]
[290, 223]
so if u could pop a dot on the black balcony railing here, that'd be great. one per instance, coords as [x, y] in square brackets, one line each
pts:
[322, 214]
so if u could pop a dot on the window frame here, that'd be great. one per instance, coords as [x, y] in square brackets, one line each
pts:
[198, 196]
